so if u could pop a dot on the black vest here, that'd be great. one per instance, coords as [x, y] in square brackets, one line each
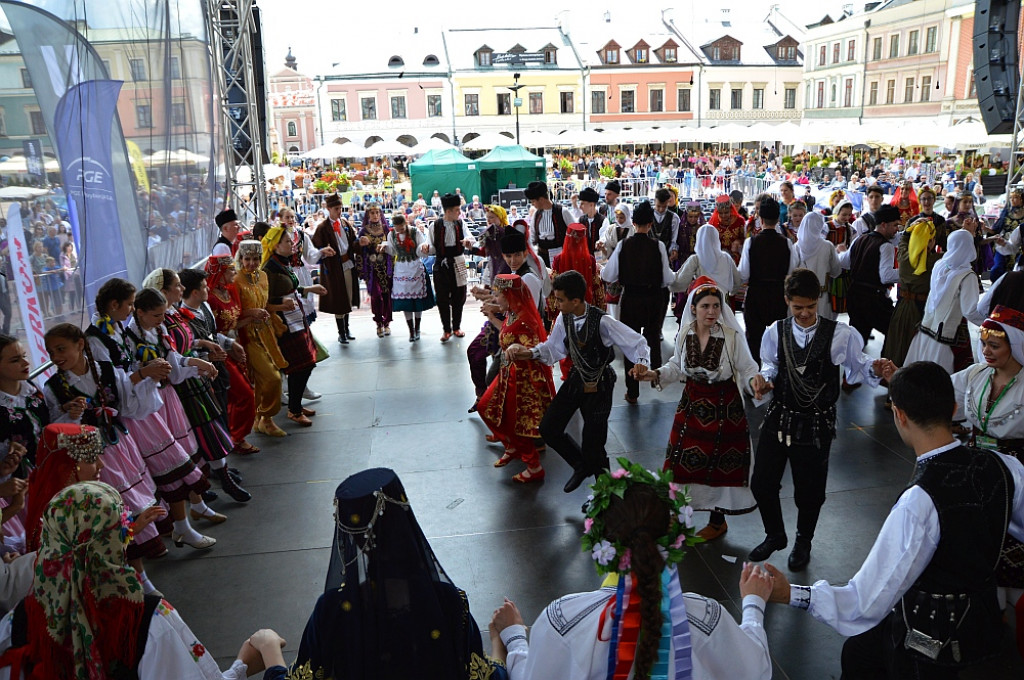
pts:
[119, 356]
[865, 256]
[204, 327]
[110, 427]
[769, 260]
[640, 265]
[443, 251]
[593, 230]
[19, 425]
[594, 352]
[973, 493]
[560, 229]
[662, 229]
[797, 422]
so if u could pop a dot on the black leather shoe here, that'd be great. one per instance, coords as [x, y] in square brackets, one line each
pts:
[209, 496]
[231, 487]
[800, 556]
[767, 547]
[235, 475]
[578, 476]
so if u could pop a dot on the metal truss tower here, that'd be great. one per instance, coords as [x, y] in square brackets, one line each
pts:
[231, 29]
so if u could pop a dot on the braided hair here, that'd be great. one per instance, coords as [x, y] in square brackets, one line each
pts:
[69, 331]
[113, 290]
[148, 299]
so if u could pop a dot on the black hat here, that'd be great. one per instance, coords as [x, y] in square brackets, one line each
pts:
[332, 200]
[643, 213]
[512, 241]
[589, 195]
[613, 186]
[536, 190]
[887, 213]
[225, 216]
[768, 209]
[450, 201]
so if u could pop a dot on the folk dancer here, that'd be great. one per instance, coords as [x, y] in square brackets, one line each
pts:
[448, 238]
[338, 267]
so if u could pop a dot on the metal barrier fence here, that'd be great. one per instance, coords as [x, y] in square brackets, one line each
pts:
[690, 188]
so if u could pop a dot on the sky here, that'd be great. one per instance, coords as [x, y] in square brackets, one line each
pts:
[314, 28]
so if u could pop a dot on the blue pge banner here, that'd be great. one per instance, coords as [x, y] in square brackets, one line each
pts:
[82, 121]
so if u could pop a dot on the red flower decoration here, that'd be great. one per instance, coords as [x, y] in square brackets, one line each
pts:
[198, 650]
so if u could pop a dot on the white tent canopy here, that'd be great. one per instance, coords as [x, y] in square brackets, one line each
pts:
[19, 193]
[333, 150]
[487, 141]
[387, 148]
[429, 144]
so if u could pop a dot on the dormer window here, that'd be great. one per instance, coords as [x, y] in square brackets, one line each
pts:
[716, 54]
[431, 60]
[611, 56]
[484, 56]
[790, 53]
[396, 61]
[670, 54]
[640, 56]
[549, 57]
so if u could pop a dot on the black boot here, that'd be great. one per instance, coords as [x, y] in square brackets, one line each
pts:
[342, 333]
[412, 330]
[348, 328]
[417, 325]
[231, 487]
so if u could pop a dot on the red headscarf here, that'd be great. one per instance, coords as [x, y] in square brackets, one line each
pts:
[906, 213]
[216, 268]
[716, 222]
[520, 301]
[576, 255]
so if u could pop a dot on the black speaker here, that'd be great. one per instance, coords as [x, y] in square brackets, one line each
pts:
[996, 63]
[260, 84]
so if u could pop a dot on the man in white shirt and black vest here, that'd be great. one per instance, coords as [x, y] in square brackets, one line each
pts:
[550, 222]
[448, 239]
[227, 222]
[590, 218]
[872, 264]
[640, 264]
[924, 603]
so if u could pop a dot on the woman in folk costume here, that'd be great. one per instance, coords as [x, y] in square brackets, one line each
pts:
[388, 609]
[730, 225]
[711, 455]
[227, 313]
[101, 395]
[1007, 229]
[87, 617]
[989, 396]
[916, 255]
[259, 337]
[640, 624]
[943, 336]
[377, 268]
[840, 235]
[576, 256]
[305, 253]
[514, 404]
[619, 228]
[485, 344]
[708, 260]
[165, 438]
[966, 218]
[905, 199]
[196, 391]
[819, 255]
[411, 293]
[23, 411]
[692, 221]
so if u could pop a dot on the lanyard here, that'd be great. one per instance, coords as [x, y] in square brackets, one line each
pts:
[988, 412]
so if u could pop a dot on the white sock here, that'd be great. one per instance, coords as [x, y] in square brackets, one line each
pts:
[408, 316]
[147, 585]
[201, 507]
[218, 464]
[183, 529]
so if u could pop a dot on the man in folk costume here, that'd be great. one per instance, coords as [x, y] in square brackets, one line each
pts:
[575, 256]
[448, 238]
[612, 190]
[550, 222]
[905, 200]
[666, 227]
[871, 261]
[727, 220]
[640, 264]
[916, 256]
[924, 603]
[873, 198]
[800, 360]
[590, 218]
[338, 271]
[589, 337]
[765, 262]
[225, 245]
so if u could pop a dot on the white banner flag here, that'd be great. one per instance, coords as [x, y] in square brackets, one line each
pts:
[25, 284]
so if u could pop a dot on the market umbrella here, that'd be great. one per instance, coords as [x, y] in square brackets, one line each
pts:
[488, 141]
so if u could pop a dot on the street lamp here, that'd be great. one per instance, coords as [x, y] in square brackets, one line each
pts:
[518, 101]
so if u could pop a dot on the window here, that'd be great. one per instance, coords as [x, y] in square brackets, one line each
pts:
[790, 99]
[972, 90]
[851, 50]
[894, 46]
[395, 61]
[890, 92]
[876, 49]
[821, 56]
[628, 101]
[736, 99]
[790, 53]
[716, 54]
[536, 102]
[106, 67]
[431, 60]
[820, 101]
[657, 101]
[912, 42]
[369, 108]
[398, 107]
[175, 68]
[926, 88]
[611, 56]
[683, 100]
[504, 104]
[433, 106]
[641, 56]
[3, 122]
[143, 116]
[832, 99]
[26, 79]
[670, 54]
[566, 103]
[835, 53]
[293, 129]
[848, 93]
[338, 110]
[472, 105]
[908, 91]
[873, 94]
[39, 127]
[929, 39]
[549, 57]
[715, 97]
[179, 115]
[758, 98]
[597, 98]
[483, 58]
[138, 69]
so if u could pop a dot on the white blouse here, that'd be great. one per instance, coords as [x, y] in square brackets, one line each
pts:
[735, 361]
[136, 401]
[972, 386]
[180, 370]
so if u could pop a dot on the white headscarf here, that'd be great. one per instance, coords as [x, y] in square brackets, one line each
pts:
[155, 279]
[727, 318]
[627, 211]
[810, 239]
[960, 253]
[713, 260]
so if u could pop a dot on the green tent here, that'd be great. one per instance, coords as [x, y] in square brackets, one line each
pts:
[443, 170]
[507, 165]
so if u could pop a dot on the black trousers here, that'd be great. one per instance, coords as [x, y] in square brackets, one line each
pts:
[450, 297]
[296, 388]
[869, 310]
[878, 654]
[594, 407]
[809, 467]
[646, 315]
[5, 310]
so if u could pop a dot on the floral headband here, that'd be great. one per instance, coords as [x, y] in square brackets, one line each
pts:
[612, 557]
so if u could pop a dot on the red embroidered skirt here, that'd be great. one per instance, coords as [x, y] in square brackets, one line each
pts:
[710, 440]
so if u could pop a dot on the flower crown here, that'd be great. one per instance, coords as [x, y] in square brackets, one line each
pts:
[614, 557]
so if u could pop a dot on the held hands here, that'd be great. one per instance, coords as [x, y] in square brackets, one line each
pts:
[206, 369]
[158, 370]
[315, 289]
[364, 240]
[884, 368]
[262, 649]
[425, 248]
[13, 486]
[217, 353]
[237, 352]
[642, 373]
[757, 581]
[506, 615]
[467, 243]
[148, 516]
[517, 352]
[841, 248]
[289, 304]
[760, 386]
[780, 585]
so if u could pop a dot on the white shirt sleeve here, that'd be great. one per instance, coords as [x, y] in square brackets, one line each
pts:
[848, 352]
[180, 371]
[99, 350]
[173, 652]
[1012, 245]
[770, 352]
[668, 276]
[886, 259]
[610, 271]
[614, 333]
[310, 253]
[57, 414]
[970, 293]
[794, 257]
[686, 274]
[672, 370]
[834, 267]
[533, 282]
[745, 261]
[736, 651]
[552, 350]
[844, 257]
[140, 400]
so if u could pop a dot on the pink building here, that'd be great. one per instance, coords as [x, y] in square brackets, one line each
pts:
[292, 110]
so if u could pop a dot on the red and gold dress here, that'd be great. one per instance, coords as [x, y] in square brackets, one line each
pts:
[242, 401]
[514, 404]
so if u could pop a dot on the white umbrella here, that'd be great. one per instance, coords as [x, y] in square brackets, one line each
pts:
[540, 138]
[387, 148]
[18, 193]
[187, 157]
[430, 144]
[333, 150]
[973, 135]
[487, 141]
[16, 164]
[271, 171]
